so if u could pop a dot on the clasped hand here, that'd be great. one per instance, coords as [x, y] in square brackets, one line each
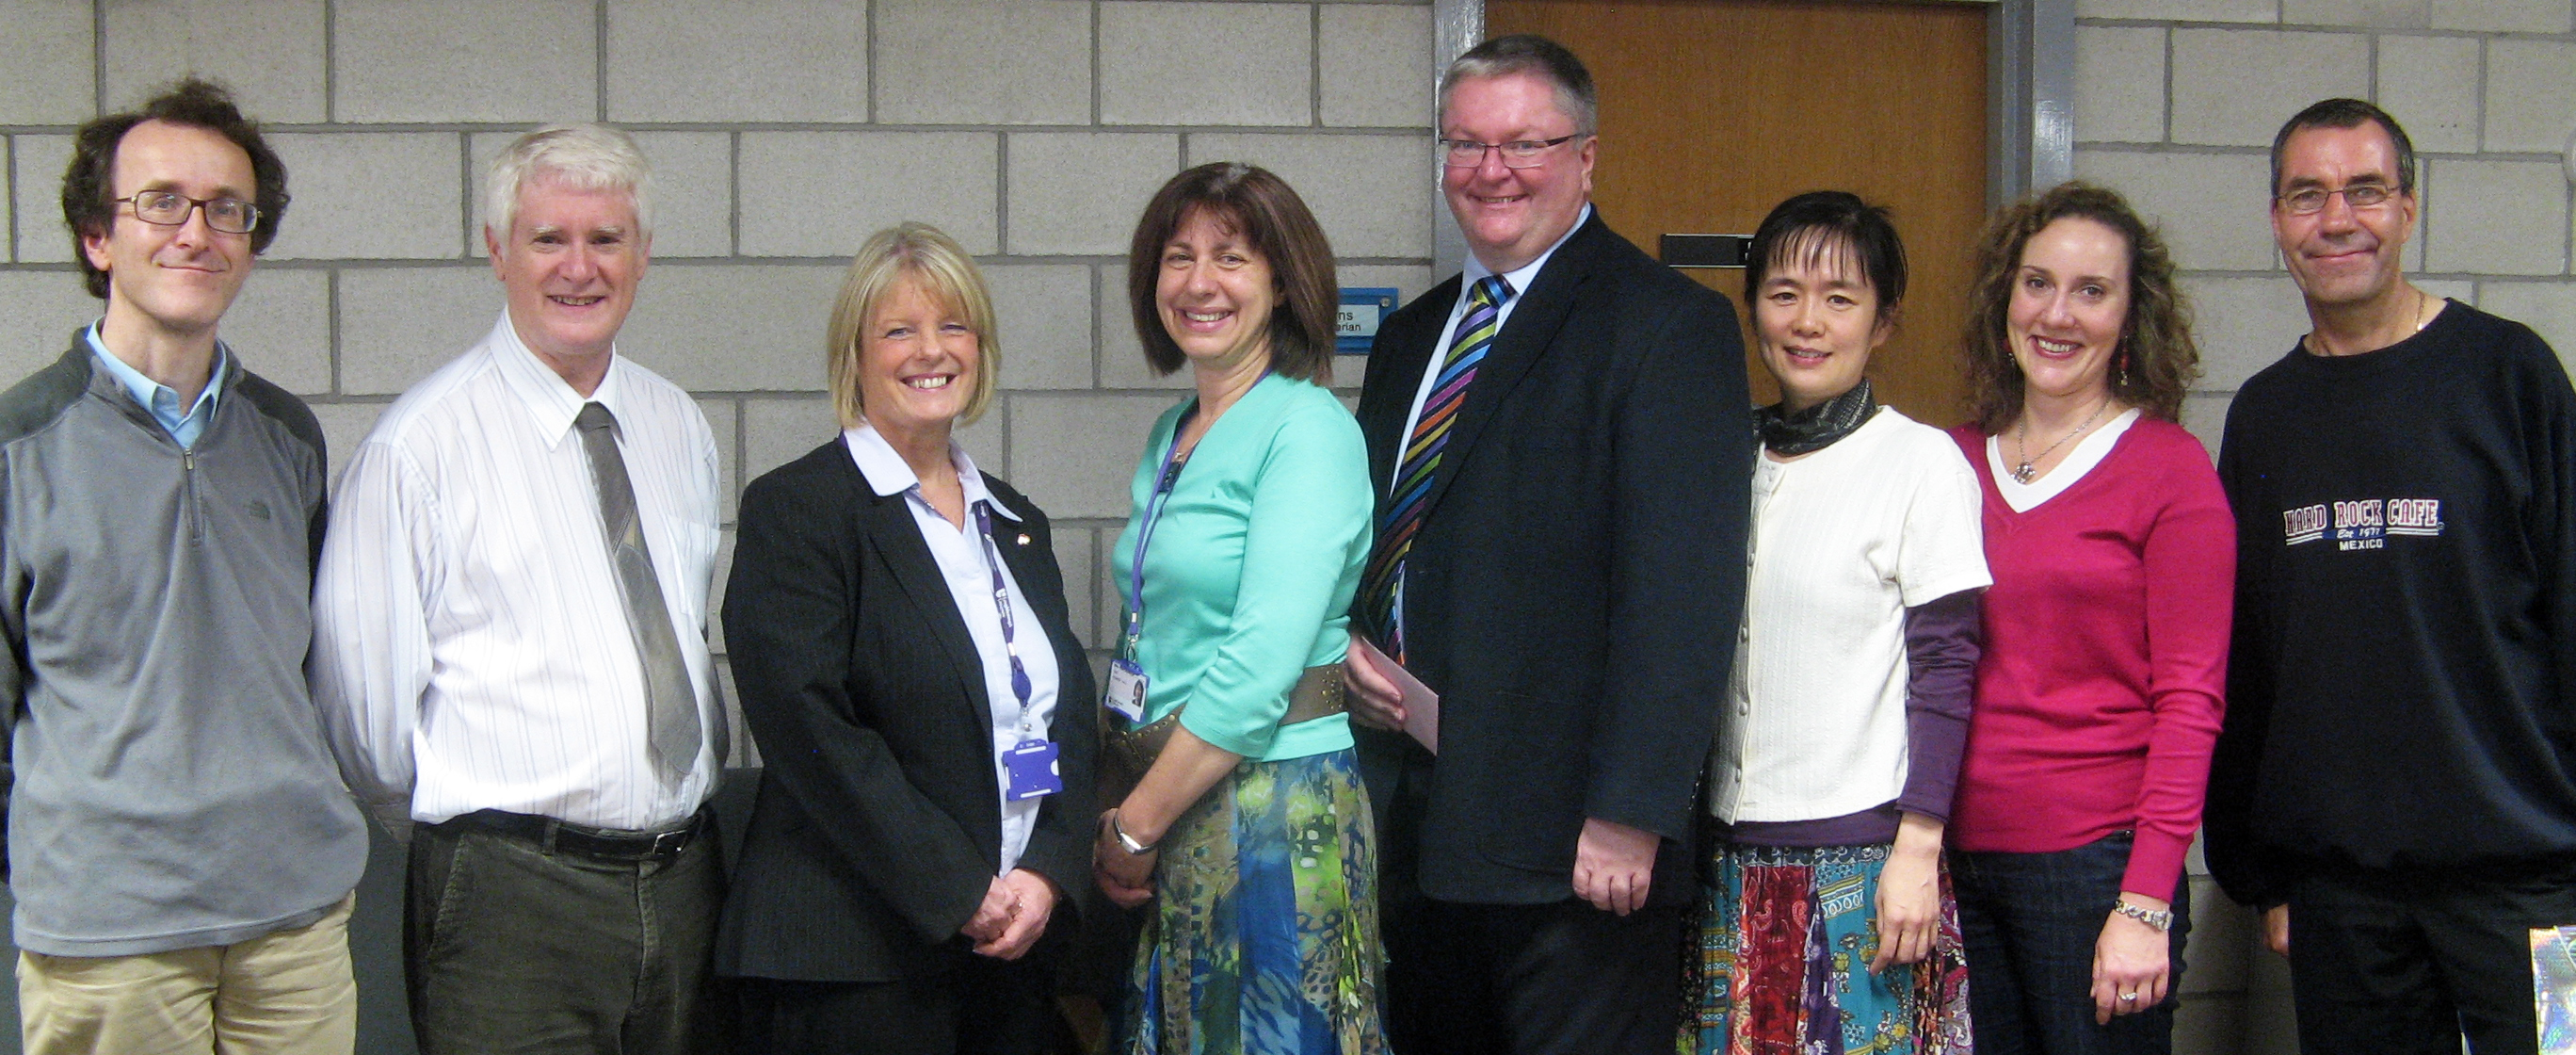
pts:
[1012, 916]
[1127, 878]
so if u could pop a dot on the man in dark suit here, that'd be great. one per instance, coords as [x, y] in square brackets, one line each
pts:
[1560, 442]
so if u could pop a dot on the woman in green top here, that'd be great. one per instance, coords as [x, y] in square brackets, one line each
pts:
[1252, 506]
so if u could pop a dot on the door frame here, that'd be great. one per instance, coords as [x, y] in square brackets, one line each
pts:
[2030, 100]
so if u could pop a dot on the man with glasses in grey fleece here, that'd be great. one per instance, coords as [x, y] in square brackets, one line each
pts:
[180, 846]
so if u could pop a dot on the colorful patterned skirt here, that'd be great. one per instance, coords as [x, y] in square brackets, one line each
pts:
[1784, 941]
[1264, 938]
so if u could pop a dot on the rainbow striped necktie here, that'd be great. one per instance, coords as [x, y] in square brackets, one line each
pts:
[1422, 453]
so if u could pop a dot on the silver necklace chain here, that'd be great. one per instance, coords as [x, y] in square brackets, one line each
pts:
[2026, 471]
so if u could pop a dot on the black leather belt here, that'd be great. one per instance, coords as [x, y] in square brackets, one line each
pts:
[607, 844]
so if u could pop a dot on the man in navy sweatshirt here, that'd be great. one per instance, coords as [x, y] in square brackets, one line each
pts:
[2395, 786]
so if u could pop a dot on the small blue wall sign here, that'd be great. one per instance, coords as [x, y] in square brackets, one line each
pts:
[1362, 309]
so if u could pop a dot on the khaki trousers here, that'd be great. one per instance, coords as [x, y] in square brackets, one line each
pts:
[283, 993]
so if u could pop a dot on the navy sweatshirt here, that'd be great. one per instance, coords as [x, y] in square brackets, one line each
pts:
[2403, 686]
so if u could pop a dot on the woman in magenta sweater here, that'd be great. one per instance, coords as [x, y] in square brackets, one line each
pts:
[2100, 689]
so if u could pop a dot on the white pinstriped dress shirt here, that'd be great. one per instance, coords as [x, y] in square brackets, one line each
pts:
[471, 649]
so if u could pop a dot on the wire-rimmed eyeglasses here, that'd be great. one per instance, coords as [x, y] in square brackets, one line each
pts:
[171, 209]
[2307, 201]
[1518, 154]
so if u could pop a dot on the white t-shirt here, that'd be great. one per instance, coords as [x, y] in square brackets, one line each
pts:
[1844, 540]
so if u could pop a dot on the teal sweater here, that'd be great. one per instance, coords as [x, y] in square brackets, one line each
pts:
[1249, 577]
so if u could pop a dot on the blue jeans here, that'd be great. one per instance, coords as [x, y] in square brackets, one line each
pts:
[2030, 922]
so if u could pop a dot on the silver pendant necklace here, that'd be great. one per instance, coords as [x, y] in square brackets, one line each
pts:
[2027, 470]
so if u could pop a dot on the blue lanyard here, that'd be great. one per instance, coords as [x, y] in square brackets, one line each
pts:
[1020, 685]
[1163, 481]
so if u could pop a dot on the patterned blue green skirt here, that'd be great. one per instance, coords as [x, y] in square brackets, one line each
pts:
[1264, 939]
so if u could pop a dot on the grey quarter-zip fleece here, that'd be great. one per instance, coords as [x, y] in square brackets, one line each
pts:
[167, 785]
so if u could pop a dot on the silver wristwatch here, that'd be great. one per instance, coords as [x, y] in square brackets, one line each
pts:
[2161, 919]
[1128, 842]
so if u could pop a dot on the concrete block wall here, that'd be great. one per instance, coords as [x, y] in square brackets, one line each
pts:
[782, 132]
[2176, 102]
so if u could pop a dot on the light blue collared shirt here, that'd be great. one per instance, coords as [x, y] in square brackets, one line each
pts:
[161, 399]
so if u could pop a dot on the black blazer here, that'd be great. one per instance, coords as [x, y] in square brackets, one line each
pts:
[875, 833]
[1574, 590]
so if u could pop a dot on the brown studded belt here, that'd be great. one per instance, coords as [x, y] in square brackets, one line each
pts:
[1318, 694]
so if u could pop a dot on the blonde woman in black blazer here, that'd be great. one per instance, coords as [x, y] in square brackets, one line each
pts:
[873, 906]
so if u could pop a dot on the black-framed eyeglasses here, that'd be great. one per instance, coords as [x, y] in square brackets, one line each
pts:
[2308, 201]
[1518, 154]
[171, 209]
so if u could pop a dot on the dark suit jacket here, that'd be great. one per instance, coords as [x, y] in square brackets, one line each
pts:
[1574, 590]
[876, 831]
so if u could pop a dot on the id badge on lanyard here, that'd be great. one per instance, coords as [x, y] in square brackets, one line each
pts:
[1031, 763]
[1126, 689]
[1127, 680]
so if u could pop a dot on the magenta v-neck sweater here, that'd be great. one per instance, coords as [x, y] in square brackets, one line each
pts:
[2105, 664]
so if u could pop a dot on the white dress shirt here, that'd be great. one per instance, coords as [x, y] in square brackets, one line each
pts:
[471, 649]
[964, 564]
[1519, 280]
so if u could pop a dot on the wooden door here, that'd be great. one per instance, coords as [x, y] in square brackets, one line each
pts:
[1713, 111]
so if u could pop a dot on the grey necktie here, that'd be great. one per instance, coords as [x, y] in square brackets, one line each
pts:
[671, 705]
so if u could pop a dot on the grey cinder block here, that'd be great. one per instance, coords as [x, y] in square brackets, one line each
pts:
[2531, 95]
[2235, 86]
[1371, 59]
[464, 60]
[281, 327]
[2211, 207]
[1079, 193]
[749, 60]
[47, 51]
[983, 62]
[1375, 194]
[371, 196]
[819, 194]
[1195, 63]
[269, 52]
[2496, 217]
[2119, 84]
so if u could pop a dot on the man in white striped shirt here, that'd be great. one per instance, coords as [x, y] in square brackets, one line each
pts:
[510, 652]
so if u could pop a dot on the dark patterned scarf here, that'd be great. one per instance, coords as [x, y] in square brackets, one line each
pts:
[1816, 427]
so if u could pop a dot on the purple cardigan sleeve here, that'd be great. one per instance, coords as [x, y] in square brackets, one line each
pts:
[1943, 637]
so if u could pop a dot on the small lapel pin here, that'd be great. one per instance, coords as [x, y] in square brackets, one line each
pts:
[1024, 540]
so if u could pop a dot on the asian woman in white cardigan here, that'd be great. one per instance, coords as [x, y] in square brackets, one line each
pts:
[1827, 923]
